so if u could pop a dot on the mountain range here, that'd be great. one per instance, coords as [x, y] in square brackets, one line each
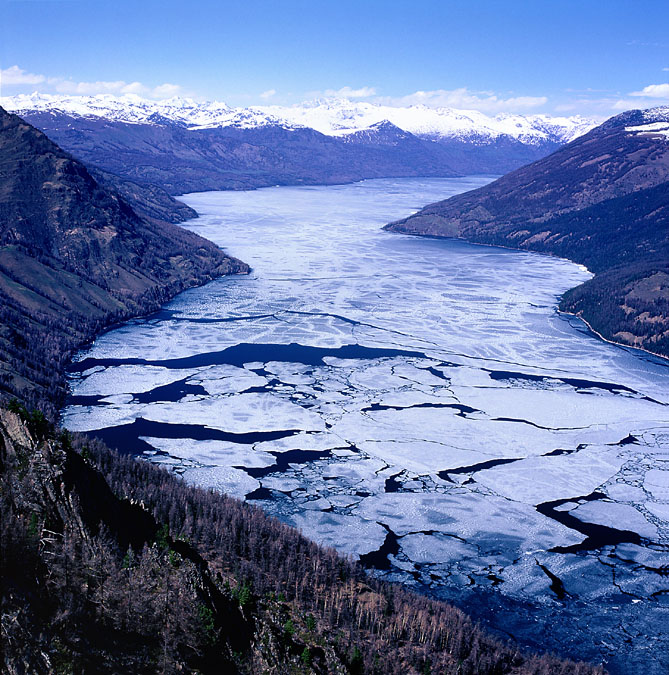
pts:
[329, 116]
[183, 146]
[602, 201]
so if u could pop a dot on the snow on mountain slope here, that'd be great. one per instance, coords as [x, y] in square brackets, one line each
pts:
[333, 117]
[338, 117]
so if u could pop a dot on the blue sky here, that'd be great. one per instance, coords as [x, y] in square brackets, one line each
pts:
[589, 57]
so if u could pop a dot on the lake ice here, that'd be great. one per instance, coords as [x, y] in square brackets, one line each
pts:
[416, 402]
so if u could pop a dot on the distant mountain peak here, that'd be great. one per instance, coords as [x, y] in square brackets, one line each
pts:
[332, 116]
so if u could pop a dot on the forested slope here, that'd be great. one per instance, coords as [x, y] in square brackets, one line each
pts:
[75, 257]
[112, 565]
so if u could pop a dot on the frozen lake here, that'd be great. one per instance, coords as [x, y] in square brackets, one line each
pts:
[417, 403]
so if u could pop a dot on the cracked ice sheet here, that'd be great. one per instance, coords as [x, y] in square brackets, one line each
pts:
[561, 408]
[617, 516]
[358, 470]
[390, 375]
[660, 511]
[543, 479]
[225, 479]
[284, 483]
[478, 518]
[126, 379]
[211, 453]
[495, 439]
[290, 373]
[656, 482]
[405, 398]
[226, 379]
[350, 536]
[421, 457]
[302, 441]
[583, 576]
[436, 549]
[89, 418]
[240, 414]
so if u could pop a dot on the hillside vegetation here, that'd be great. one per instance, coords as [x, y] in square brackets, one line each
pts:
[113, 565]
[75, 257]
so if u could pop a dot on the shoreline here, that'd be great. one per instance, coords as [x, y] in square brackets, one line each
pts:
[599, 336]
[595, 332]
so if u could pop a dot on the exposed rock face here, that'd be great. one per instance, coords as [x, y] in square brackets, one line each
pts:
[603, 201]
[74, 257]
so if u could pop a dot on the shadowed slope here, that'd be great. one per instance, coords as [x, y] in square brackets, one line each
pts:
[75, 257]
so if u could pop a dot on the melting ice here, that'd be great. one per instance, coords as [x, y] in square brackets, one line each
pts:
[415, 402]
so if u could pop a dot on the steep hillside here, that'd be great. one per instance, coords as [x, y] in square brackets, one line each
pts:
[75, 257]
[111, 565]
[185, 146]
[603, 201]
[146, 199]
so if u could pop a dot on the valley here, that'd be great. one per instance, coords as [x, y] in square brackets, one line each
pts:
[334, 338]
[416, 403]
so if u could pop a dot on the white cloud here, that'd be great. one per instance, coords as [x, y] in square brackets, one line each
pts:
[653, 91]
[348, 92]
[114, 87]
[666, 70]
[593, 108]
[465, 99]
[16, 76]
[268, 94]
[625, 104]
[166, 90]
[599, 108]
[92, 88]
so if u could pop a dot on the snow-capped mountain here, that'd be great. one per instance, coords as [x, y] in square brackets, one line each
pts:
[332, 117]
[338, 117]
[183, 145]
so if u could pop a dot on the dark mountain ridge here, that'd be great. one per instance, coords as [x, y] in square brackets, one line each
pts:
[602, 201]
[75, 257]
[180, 159]
[147, 200]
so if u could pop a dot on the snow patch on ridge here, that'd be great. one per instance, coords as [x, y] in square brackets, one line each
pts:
[654, 128]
